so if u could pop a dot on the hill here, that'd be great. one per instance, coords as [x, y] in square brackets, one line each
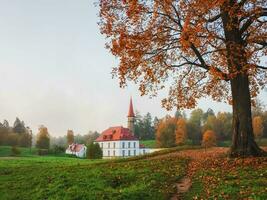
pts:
[69, 178]
[210, 173]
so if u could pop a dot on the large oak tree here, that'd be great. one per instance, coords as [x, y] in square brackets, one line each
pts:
[202, 47]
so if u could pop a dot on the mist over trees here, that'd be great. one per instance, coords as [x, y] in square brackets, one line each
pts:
[17, 135]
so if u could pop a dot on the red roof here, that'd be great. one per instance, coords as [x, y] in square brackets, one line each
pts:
[75, 147]
[131, 112]
[116, 133]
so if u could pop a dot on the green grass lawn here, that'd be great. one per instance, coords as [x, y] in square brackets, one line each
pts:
[149, 143]
[71, 178]
[6, 151]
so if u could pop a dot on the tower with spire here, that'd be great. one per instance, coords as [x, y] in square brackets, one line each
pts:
[131, 117]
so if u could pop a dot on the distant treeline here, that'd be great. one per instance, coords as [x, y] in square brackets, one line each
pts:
[172, 131]
[17, 135]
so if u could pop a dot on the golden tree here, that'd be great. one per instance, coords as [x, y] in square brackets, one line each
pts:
[209, 139]
[206, 47]
[43, 138]
[180, 133]
[70, 137]
[258, 126]
[165, 134]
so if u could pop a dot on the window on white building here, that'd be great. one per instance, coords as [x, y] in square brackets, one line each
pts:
[108, 145]
[114, 145]
[134, 144]
[129, 152]
[108, 153]
[123, 153]
[134, 152]
[114, 153]
[123, 145]
[129, 144]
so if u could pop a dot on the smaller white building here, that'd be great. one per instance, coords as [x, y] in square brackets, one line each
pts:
[78, 150]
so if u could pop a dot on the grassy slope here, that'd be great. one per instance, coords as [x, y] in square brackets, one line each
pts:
[149, 143]
[6, 151]
[70, 178]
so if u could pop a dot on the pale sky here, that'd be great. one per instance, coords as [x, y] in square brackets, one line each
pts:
[55, 70]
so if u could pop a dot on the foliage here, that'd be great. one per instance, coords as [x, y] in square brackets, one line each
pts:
[57, 150]
[165, 135]
[43, 152]
[15, 151]
[181, 132]
[94, 151]
[223, 178]
[145, 127]
[70, 137]
[65, 178]
[209, 139]
[18, 135]
[43, 138]
[203, 48]
[257, 126]
[220, 124]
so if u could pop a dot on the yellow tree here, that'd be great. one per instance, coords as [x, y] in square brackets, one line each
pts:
[204, 47]
[209, 139]
[70, 137]
[257, 126]
[180, 133]
[43, 138]
[165, 134]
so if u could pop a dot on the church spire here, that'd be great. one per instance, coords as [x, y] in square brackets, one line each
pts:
[131, 112]
[131, 117]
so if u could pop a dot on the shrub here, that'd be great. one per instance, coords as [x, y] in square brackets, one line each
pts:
[42, 152]
[58, 149]
[94, 151]
[15, 151]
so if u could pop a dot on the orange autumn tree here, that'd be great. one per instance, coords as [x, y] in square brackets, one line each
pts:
[70, 137]
[180, 132]
[203, 47]
[257, 126]
[165, 134]
[209, 139]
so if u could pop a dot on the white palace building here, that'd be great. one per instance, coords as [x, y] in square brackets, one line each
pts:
[121, 142]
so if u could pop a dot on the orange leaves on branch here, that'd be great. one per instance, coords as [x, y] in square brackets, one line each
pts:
[195, 47]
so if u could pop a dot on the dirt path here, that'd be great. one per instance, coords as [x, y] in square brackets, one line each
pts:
[198, 157]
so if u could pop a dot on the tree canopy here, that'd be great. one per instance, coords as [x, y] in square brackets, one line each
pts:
[199, 47]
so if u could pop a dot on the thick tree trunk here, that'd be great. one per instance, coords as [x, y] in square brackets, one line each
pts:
[243, 143]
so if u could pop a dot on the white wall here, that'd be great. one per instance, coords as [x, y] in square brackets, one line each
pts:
[108, 148]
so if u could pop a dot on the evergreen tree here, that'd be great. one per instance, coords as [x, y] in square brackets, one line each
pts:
[94, 151]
